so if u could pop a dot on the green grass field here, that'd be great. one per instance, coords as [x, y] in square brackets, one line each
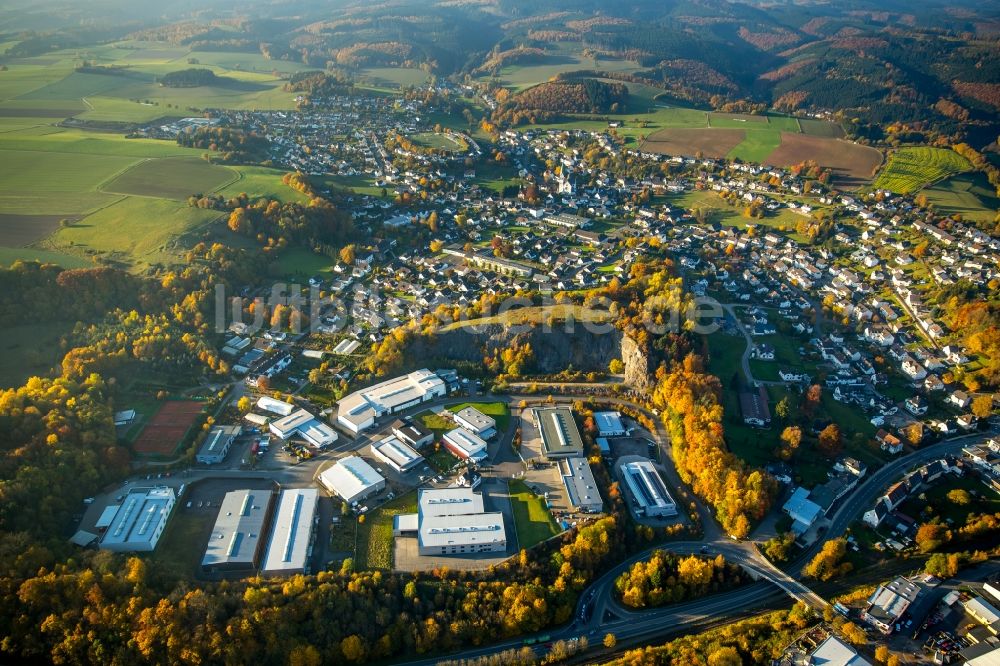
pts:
[393, 77]
[375, 540]
[532, 519]
[55, 183]
[136, 230]
[910, 169]
[758, 144]
[968, 195]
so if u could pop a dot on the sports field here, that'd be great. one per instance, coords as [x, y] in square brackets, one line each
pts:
[167, 427]
[437, 141]
[910, 169]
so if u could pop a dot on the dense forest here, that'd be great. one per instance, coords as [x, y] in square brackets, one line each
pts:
[189, 78]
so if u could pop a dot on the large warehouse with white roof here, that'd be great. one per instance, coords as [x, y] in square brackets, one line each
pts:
[306, 426]
[352, 479]
[397, 454]
[649, 493]
[452, 521]
[560, 436]
[290, 546]
[139, 521]
[465, 444]
[238, 537]
[357, 411]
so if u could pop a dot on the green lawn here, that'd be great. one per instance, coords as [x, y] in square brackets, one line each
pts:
[434, 422]
[441, 459]
[758, 144]
[393, 77]
[8, 255]
[438, 141]
[179, 551]
[910, 169]
[300, 263]
[375, 540]
[532, 519]
[33, 182]
[171, 178]
[135, 230]
[498, 410]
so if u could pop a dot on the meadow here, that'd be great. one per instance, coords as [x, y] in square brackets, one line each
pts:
[968, 195]
[910, 169]
[171, 178]
[532, 519]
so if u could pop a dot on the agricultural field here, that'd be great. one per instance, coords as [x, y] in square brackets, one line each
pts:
[392, 77]
[532, 519]
[714, 143]
[167, 427]
[968, 195]
[519, 77]
[852, 163]
[774, 140]
[911, 169]
[174, 178]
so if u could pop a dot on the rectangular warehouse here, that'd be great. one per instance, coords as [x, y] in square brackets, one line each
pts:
[581, 488]
[396, 454]
[560, 436]
[475, 421]
[306, 426]
[352, 479]
[291, 543]
[466, 445]
[453, 521]
[238, 537]
[412, 433]
[609, 424]
[649, 492]
[216, 446]
[139, 521]
[358, 411]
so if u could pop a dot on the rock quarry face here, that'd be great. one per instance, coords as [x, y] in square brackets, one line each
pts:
[554, 349]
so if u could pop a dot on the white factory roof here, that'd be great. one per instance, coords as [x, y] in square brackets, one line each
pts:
[399, 452]
[475, 420]
[471, 444]
[350, 477]
[293, 522]
[138, 516]
[216, 437]
[609, 422]
[238, 528]
[275, 406]
[454, 517]
[580, 485]
[646, 484]
[365, 404]
[346, 346]
[306, 425]
[834, 652]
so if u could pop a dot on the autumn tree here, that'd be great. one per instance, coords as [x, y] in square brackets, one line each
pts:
[853, 633]
[610, 641]
[244, 405]
[931, 536]
[348, 254]
[982, 406]
[827, 563]
[959, 496]
[830, 442]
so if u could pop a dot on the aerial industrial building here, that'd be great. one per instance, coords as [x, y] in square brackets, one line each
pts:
[357, 411]
[352, 479]
[560, 436]
[453, 521]
[581, 488]
[649, 493]
[465, 444]
[139, 520]
[217, 443]
[290, 547]
[274, 406]
[889, 602]
[412, 433]
[306, 426]
[239, 535]
[397, 454]
[475, 421]
[609, 424]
